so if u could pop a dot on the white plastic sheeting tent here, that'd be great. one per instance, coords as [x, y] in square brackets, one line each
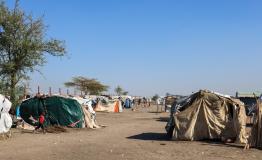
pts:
[90, 114]
[110, 106]
[5, 118]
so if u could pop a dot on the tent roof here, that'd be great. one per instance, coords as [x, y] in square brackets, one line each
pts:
[248, 94]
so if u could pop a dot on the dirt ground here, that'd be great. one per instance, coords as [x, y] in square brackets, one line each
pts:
[138, 135]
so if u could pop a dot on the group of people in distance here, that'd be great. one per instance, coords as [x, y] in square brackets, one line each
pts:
[145, 102]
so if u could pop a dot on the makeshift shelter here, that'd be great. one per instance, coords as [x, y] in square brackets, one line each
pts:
[207, 115]
[110, 106]
[90, 114]
[5, 118]
[58, 111]
[170, 100]
[255, 139]
[250, 101]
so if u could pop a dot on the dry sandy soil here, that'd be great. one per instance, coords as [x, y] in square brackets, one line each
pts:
[138, 135]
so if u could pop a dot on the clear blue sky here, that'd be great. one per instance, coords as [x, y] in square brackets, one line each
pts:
[154, 46]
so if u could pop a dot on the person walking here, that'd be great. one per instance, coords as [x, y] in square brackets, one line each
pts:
[149, 102]
[144, 101]
[41, 122]
[127, 103]
[139, 101]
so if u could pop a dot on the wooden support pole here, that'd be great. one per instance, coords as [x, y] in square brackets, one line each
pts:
[38, 89]
[25, 91]
[50, 91]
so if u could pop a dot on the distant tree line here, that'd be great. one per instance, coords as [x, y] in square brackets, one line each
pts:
[87, 86]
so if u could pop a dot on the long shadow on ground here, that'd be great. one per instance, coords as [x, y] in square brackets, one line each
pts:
[163, 137]
[150, 137]
[162, 119]
[221, 144]
[156, 112]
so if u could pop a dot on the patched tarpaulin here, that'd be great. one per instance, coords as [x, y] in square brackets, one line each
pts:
[206, 115]
[110, 106]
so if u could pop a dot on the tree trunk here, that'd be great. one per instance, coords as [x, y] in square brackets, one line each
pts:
[12, 88]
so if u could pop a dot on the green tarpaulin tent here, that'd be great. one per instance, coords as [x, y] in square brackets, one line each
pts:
[58, 111]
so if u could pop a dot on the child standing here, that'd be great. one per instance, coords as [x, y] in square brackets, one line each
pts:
[41, 122]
